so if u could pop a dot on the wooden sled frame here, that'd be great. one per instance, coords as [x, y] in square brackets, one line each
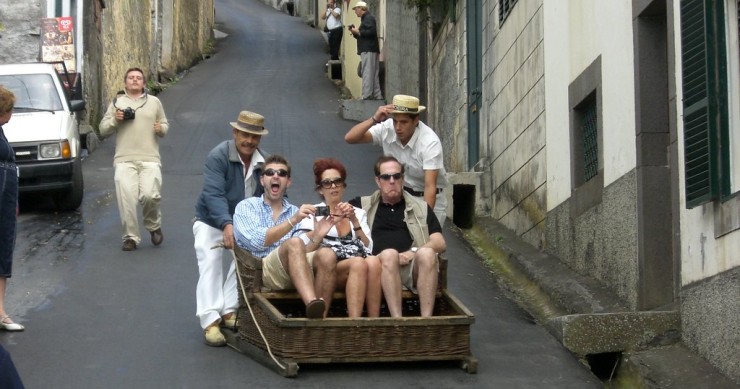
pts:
[268, 333]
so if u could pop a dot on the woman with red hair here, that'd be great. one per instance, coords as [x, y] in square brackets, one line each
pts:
[357, 272]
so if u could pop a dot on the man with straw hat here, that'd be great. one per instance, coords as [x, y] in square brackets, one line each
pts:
[232, 173]
[397, 128]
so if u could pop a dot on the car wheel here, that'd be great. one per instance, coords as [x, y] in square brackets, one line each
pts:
[71, 199]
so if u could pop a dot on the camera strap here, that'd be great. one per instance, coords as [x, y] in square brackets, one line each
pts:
[115, 99]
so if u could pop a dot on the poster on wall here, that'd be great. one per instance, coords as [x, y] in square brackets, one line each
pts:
[57, 41]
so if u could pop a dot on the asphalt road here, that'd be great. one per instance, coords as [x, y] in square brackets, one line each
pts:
[98, 317]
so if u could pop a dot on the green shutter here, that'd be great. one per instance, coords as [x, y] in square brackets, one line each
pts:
[704, 96]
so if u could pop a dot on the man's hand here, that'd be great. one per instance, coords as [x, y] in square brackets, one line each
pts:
[119, 115]
[405, 257]
[157, 127]
[229, 236]
[383, 112]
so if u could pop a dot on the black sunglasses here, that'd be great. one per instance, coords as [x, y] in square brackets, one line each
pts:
[387, 177]
[326, 184]
[272, 172]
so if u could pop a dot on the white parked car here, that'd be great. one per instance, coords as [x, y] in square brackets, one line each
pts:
[44, 133]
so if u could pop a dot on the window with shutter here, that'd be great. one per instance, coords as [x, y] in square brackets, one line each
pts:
[704, 98]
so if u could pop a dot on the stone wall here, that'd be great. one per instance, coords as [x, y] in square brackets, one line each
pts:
[709, 316]
[602, 241]
[20, 31]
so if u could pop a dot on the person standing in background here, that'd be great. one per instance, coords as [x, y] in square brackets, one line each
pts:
[8, 206]
[138, 121]
[369, 50]
[333, 17]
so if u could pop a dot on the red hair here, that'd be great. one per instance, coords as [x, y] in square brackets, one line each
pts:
[323, 164]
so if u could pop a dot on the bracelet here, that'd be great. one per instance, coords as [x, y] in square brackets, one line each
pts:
[374, 120]
[291, 223]
[314, 242]
[357, 228]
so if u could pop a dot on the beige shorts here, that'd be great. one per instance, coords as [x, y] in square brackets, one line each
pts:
[407, 275]
[274, 275]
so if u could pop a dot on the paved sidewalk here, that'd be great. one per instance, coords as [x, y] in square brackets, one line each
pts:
[626, 349]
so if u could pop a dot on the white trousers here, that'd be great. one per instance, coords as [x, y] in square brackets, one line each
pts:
[215, 295]
[138, 182]
[440, 208]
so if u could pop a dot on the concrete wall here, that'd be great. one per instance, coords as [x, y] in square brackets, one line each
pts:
[513, 120]
[447, 104]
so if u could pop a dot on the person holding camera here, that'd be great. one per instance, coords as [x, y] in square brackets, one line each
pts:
[264, 226]
[357, 272]
[139, 121]
[369, 50]
[333, 17]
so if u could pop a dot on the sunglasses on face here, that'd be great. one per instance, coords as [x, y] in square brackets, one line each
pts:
[387, 177]
[272, 172]
[327, 183]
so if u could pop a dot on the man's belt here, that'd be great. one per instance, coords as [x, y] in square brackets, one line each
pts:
[418, 194]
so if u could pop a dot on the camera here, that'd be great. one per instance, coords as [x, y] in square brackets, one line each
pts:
[322, 210]
[351, 26]
[129, 114]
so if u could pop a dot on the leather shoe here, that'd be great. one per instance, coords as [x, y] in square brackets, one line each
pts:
[7, 324]
[157, 237]
[213, 336]
[228, 320]
[129, 245]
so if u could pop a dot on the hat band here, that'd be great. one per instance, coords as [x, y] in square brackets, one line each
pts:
[405, 109]
[251, 127]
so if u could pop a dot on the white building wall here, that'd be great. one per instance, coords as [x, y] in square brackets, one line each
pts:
[578, 31]
[705, 251]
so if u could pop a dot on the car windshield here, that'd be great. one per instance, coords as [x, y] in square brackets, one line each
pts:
[34, 91]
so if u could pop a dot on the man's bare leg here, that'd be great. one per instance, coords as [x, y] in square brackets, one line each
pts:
[390, 279]
[425, 272]
[293, 257]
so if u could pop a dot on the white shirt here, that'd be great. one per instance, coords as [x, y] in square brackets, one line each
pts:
[249, 184]
[422, 152]
[332, 21]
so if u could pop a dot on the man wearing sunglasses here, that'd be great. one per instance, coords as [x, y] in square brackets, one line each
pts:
[397, 128]
[407, 238]
[232, 173]
[265, 226]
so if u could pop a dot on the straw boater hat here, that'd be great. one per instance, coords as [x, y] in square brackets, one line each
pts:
[250, 122]
[360, 4]
[407, 104]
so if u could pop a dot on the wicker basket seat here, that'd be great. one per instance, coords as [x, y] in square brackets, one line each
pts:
[272, 328]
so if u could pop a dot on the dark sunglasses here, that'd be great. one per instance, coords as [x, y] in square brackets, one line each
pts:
[272, 172]
[326, 184]
[387, 177]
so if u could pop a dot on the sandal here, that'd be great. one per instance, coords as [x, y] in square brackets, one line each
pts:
[315, 309]
[4, 325]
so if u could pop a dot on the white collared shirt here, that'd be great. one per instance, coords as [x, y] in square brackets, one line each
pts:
[249, 184]
[422, 152]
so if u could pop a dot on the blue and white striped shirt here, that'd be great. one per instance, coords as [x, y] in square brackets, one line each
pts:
[252, 219]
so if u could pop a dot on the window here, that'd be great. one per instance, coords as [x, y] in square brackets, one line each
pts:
[504, 9]
[709, 54]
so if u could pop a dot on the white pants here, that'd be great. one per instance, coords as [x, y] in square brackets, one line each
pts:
[138, 183]
[214, 295]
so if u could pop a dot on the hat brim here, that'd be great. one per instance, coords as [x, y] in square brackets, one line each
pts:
[236, 125]
[420, 110]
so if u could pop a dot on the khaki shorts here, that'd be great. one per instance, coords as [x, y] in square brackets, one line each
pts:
[274, 275]
[407, 275]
